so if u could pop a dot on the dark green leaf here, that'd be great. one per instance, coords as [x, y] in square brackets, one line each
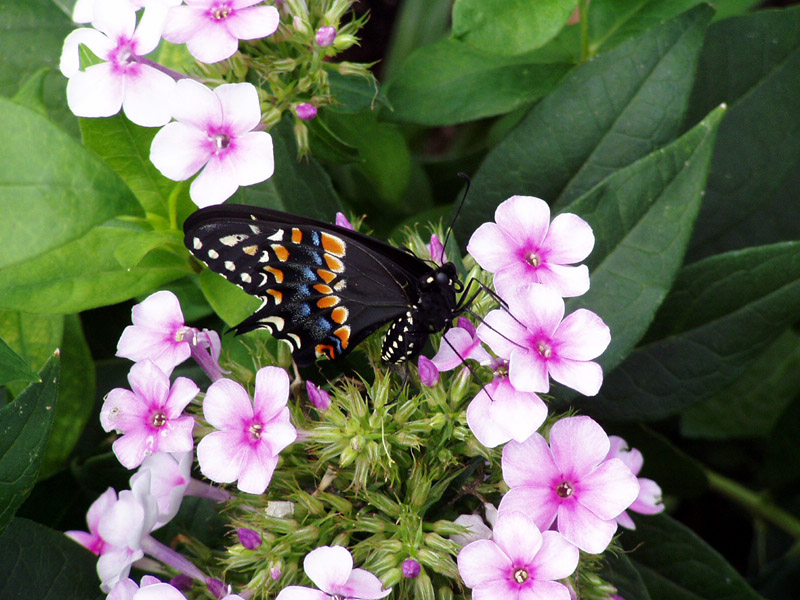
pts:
[783, 442]
[604, 116]
[449, 82]
[675, 564]
[751, 406]
[125, 147]
[33, 337]
[31, 92]
[50, 197]
[85, 273]
[642, 217]
[508, 27]
[417, 23]
[753, 64]
[326, 145]
[353, 94]
[231, 303]
[13, 367]
[298, 186]
[25, 426]
[720, 314]
[37, 562]
[619, 571]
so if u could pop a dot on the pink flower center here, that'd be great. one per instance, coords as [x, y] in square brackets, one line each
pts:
[255, 432]
[123, 56]
[221, 142]
[159, 419]
[543, 348]
[520, 575]
[565, 489]
[221, 11]
[533, 259]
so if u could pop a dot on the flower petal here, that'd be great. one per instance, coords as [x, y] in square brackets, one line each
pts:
[545, 590]
[95, 92]
[453, 348]
[578, 445]
[182, 392]
[569, 240]
[502, 333]
[491, 248]
[556, 559]
[220, 456]
[585, 377]
[253, 23]
[328, 567]
[215, 184]
[567, 281]
[241, 110]
[518, 537]
[649, 500]
[608, 490]
[148, 97]
[363, 585]
[279, 432]
[529, 463]
[99, 44]
[535, 502]
[297, 592]
[507, 415]
[179, 151]
[182, 23]
[539, 307]
[583, 528]
[150, 27]
[525, 219]
[212, 43]
[256, 472]
[115, 18]
[527, 371]
[227, 405]
[272, 392]
[582, 335]
[253, 159]
[482, 561]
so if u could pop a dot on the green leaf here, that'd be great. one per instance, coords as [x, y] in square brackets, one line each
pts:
[752, 405]
[784, 441]
[76, 392]
[231, 303]
[125, 147]
[642, 217]
[604, 116]
[676, 564]
[353, 94]
[299, 186]
[31, 92]
[49, 198]
[132, 250]
[25, 425]
[13, 367]
[33, 32]
[720, 314]
[85, 274]
[416, 24]
[33, 337]
[449, 82]
[38, 562]
[619, 571]
[508, 27]
[753, 64]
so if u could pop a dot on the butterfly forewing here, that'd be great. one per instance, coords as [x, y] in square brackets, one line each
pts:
[324, 289]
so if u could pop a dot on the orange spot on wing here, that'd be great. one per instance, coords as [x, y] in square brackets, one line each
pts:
[339, 314]
[328, 301]
[323, 289]
[251, 250]
[277, 295]
[297, 235]
[281, 252]
[334, 264]
[343, 333]
[325, 275]
[333, 244]
[325, 350]
[277, 273]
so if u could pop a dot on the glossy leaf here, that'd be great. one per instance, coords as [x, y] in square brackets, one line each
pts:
[449, 82]
[604, 116]
[50, 198]
[25, 426]
[13, 367]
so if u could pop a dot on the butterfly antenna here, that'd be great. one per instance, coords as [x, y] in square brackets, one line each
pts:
[455, 216]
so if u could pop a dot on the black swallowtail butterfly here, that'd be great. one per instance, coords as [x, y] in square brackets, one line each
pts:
[324, 288]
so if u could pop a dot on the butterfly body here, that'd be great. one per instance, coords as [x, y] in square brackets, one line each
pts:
[323, 288]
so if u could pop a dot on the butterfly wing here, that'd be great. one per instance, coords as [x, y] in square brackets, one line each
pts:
[323, 288]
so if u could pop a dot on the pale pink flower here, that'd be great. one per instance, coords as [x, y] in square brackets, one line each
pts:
[124, 80]
[518, 563]
[331, 570]
[211, 29]
[523, 246]
[326, 35]
[306, 111]
[459, 344]
[648, 502]
[500, 412]
[149, 415]
[251, 435]
[151, 589]
[170, 476]
[343, 221]
[477, 526]
[91, 540]
[214, 132]
[536, 342]
[569, 482]
[83, 11]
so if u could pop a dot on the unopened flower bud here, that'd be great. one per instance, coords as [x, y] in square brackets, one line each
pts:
[344, 41]
[343, 221]
[306, 111]
[218, 588]
[300, 25]
[301, 139]
[428, 373]
[411, 568]
[275, 572]
[249, 538]
[181, 582]
[423, 588]
[326, 35]
[319, 397]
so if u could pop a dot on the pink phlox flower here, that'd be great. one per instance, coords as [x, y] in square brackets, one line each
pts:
[535, 340]
[83, 11]
[326, 35]
[170, 475]
[436, 250]
[211, 29]
[459, 344]
[428, 373]
[214, 131]
[343, 221]
[519, 562]
[569, 482]
[499, 413]
[649, 501]
[151, 589]
[331, 570]
[124, 526]
[477, 525]
[524, 246]
[123, 79]
[251, 435]
[320, 398]
[149, 415]
[91, 539]
[306, 111]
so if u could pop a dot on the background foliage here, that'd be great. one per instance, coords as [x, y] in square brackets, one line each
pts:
[670, 125]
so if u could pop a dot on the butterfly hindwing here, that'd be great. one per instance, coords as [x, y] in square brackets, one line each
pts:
[323, 288]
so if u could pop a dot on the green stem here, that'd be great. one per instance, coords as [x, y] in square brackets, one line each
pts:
[172, 205]
[583, 11]
[754, 503]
